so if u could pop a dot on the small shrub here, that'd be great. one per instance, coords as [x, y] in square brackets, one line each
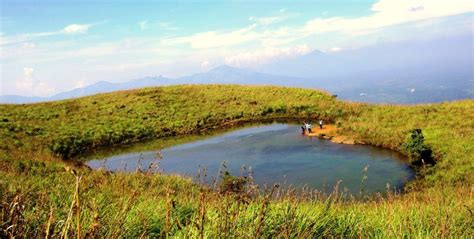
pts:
[232, 184]
[418, 152]
[266, 111]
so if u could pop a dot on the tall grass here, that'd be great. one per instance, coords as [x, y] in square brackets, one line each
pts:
[138, 204]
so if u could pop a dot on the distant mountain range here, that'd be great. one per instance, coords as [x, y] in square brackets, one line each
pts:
[399, 72]
[220, 75]
[405, 72]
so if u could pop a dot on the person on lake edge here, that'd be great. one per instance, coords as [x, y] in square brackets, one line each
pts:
[306, 128]
[321, 124]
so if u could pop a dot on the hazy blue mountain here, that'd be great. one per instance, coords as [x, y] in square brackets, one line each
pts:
[447, 53]
[230, 75]
[18, 99]
[104, 86]
[397, 72]
[146, 82]
[219, 75]
[99, 87]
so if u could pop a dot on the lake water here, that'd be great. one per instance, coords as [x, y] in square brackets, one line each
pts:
[276, 153]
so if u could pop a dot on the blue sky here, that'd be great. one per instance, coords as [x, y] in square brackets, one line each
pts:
[51, 46]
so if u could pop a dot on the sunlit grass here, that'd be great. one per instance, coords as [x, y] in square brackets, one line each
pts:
[37, 193]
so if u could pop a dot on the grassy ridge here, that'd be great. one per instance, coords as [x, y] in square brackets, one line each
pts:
[448, 128]
[34, 138]
[74, 126]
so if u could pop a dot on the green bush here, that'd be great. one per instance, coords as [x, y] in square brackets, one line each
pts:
[232, 184]
[418, 152]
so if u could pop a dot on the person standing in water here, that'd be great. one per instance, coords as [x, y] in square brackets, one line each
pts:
[304, 128]
[321, 124]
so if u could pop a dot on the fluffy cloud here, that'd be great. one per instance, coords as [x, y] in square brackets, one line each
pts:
[76, 28]
[28, 45]
[205, 64]
[388, 13]
[80, 84]
[249, 59]
[214, 39]
[26, 37]
[335, 49]
[259, 42]
[385, 13]
[28, 73]
[227, 39]
[29, 84]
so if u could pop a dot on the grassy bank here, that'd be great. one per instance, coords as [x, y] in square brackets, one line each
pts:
[39, 197]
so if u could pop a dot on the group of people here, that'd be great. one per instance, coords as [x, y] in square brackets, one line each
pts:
[307, 127]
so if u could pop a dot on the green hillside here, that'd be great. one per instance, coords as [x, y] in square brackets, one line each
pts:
[40, 145]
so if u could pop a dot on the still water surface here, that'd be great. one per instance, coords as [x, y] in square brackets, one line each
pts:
[276, 153]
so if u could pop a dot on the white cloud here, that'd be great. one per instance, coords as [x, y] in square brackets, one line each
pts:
[249, 59]
[28, 72]
[259, 42]
[385, 13]
[80, 84]
[249, 35]
[8, 40]
[31, 85]
[143, 25]
[28, 45]
[388, 13]
[27, 82]
[215, 39]
[335, 49]
[205, 64]
[24, 38]
[76, 28]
